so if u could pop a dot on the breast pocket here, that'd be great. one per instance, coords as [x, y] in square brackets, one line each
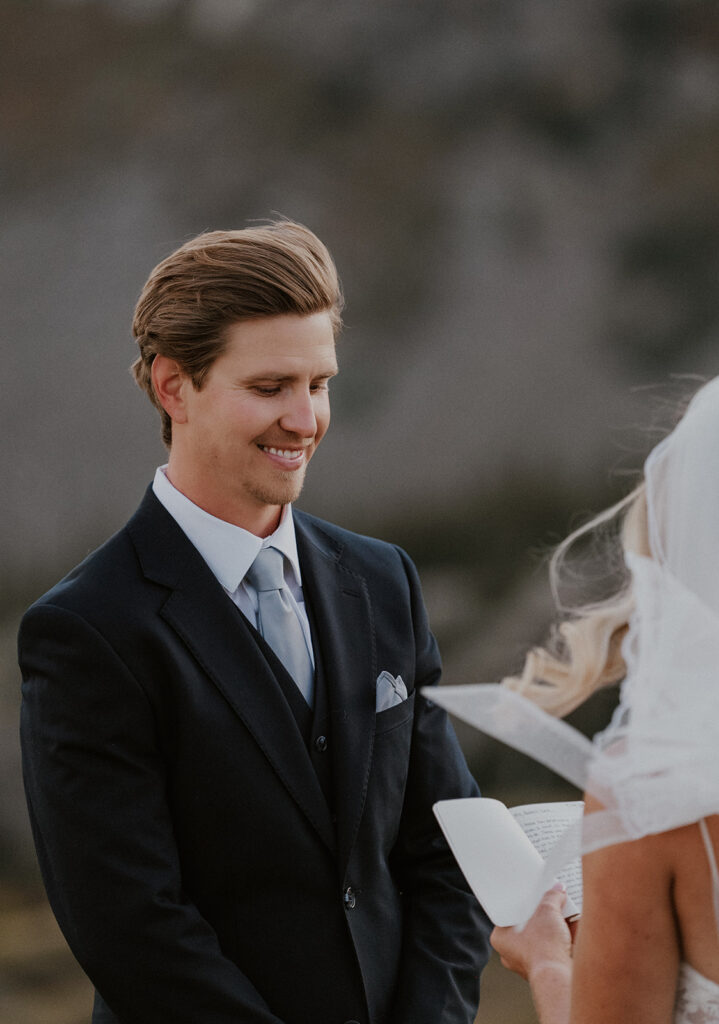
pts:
[390, 767]
[395, 716]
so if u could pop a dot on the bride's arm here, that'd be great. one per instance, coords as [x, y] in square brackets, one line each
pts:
[542, 953]
[626, 957]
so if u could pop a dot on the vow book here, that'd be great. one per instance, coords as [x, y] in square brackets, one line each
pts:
[501, 852]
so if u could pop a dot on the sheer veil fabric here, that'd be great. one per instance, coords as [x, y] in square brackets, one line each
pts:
[656, 766]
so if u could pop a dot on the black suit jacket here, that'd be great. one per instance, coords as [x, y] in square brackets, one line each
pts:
[187, 847]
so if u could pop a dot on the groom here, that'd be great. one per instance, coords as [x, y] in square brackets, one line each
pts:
[229, 768]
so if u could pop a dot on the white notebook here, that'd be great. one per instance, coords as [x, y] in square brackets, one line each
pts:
[501, 852]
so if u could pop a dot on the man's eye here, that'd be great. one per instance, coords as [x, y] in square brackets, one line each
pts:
[267, 390]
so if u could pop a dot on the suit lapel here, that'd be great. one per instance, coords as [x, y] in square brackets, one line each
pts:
[216, 633]
[341, 606]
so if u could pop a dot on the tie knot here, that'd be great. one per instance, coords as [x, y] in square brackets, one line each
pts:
[267, 570]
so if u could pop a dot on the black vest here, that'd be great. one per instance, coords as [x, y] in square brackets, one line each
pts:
[313, 723]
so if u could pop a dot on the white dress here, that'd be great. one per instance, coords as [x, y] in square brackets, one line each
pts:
[697, 998]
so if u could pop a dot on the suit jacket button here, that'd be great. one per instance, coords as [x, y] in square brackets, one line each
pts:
[321, 744]
[349, 898]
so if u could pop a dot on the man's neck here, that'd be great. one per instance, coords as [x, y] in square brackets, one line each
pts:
[262, 520]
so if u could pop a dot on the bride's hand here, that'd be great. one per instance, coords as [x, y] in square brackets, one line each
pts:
[545, 940]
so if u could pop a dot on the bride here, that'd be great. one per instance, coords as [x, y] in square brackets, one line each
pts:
[647, 945]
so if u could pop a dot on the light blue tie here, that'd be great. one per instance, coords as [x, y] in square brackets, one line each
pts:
[277, 620]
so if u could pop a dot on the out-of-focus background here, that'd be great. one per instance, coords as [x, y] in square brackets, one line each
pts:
[522, 197]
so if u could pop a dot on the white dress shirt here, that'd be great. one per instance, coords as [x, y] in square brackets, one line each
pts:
[230, 551]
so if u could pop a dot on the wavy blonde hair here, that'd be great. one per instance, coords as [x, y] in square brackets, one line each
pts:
[584, 650]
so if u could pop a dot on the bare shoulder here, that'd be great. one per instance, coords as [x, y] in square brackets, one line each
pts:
[648, 861]
[652, 859]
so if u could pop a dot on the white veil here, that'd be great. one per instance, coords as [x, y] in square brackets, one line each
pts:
[656, 767]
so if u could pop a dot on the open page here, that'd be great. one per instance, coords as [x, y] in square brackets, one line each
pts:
[544, 824]
[501, 852]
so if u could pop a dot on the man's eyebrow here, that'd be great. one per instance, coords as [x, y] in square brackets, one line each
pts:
[279, 378]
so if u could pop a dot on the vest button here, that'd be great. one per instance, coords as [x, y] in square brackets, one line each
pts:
[349, 898]
[321, 744]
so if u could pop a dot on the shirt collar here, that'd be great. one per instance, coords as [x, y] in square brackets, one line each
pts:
[228, 549]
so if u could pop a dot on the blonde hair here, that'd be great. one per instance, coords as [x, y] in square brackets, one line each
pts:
[584, 650]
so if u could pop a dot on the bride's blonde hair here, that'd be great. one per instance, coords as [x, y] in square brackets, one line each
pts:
[584, 650]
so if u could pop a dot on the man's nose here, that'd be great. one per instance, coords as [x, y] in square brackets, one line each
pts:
[299, 416]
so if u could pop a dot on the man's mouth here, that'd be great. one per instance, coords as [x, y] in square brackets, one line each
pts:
[294, 454]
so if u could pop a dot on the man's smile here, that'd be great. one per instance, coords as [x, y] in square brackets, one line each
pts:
[294, 456]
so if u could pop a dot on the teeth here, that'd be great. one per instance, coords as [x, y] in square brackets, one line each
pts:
[285, 453]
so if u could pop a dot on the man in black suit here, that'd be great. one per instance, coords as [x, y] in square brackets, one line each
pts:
[232, 799]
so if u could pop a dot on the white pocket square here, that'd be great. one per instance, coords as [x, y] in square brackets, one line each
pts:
[390, 691]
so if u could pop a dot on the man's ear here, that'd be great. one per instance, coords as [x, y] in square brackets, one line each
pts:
[170, 385]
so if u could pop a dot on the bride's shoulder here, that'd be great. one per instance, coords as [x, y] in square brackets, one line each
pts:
[635, 872]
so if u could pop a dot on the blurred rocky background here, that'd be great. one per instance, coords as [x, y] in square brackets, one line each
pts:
[522, 197]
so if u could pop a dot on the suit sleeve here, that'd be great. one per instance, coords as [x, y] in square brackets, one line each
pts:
[446, 934]
[95, 785]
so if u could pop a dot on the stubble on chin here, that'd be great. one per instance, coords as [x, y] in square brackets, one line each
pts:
[285, 489]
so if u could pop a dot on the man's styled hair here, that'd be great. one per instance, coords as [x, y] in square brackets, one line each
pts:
[220, 278]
